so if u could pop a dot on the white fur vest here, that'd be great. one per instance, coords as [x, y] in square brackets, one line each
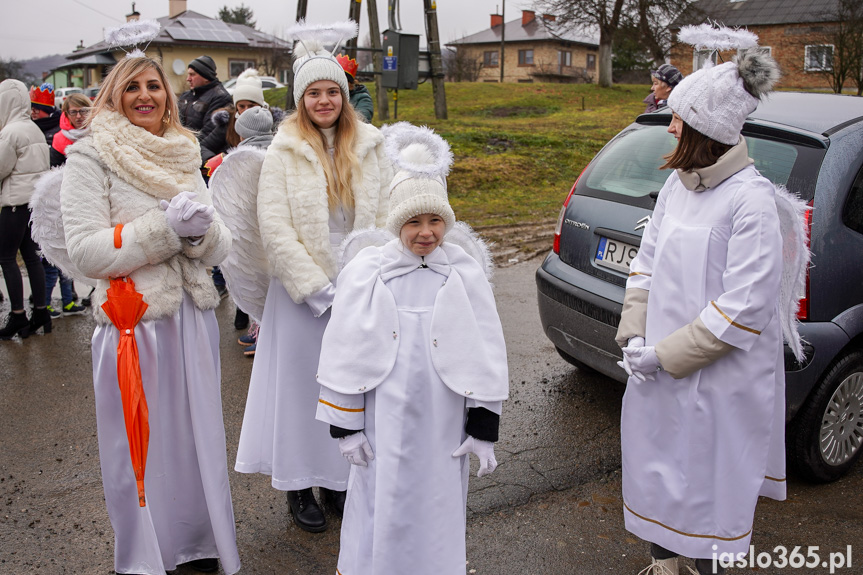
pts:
[162, 265]
[292, 206]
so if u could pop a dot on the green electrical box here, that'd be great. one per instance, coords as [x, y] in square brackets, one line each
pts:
[401, 60]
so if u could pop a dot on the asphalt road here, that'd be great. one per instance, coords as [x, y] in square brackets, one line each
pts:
[553, 505]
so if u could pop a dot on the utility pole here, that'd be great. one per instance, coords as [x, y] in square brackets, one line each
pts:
[378, 61]
[354, 14]
[502, 38]
[289, 96]
[433, 38]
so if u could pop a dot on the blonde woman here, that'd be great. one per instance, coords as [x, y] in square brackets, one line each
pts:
[324, 175]
[135, 206]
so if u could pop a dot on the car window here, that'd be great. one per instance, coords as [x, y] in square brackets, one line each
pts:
[268, 84]
[774, 160]
[630, 164]
[852, 215]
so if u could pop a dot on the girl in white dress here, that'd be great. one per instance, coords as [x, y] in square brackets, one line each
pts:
[413, 371]
[325, 174]
[702, 424]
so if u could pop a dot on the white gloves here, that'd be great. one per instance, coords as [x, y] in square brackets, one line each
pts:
[484, 450]
[186, 216]
[356, 449]
[321, 300]
[640, 361]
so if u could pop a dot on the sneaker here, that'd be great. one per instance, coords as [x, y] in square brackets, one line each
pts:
[222, 291]
[72, 308]
[250, 351]
[54, 313]
[248, 339]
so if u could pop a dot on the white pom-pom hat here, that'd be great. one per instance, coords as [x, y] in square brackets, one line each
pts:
[249, 87]
[423, 160]
[312, 60]
[716, 100]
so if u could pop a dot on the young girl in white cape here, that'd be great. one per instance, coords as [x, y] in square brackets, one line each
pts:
[413, 372]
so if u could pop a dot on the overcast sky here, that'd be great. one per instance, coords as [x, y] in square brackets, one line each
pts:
[56, 26]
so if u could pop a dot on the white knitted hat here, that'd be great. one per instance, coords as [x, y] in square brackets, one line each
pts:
[716, 100]
[312, 61]
[423, 159]
[249, 87]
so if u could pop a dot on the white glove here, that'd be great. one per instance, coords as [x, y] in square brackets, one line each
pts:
[636, 341]
[187, 217]
[642, 361]
[321, 300]
[484, 450]
[356, 449]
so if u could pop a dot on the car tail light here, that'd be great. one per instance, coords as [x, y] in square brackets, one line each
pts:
[803, 311]
[559, 227]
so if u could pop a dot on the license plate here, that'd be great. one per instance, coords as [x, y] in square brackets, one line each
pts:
[615, 254]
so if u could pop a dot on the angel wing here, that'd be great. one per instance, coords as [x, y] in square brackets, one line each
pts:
[463, 236]
[234, 186]
[795, 263]
[355, 241]
[46, 222]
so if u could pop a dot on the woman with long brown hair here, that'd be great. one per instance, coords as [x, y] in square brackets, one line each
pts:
[135, 207]
[324, 175]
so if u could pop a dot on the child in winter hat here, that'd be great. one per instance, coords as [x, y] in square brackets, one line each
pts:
[249, 87]
[257, 121]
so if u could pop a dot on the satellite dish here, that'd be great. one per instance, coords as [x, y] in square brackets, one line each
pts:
[179, 67]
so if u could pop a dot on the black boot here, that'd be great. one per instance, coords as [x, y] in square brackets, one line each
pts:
[307, 514]
[208, 565]
[40, 317]
[334, 500]
[241, 319]
[16, 323]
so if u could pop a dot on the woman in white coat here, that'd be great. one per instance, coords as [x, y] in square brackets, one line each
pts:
[324, 175]
[134, 206]
[702, 424]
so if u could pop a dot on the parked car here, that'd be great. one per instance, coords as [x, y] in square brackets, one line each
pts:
[92, 93]
[267, 82]
[810, 143]
[60, 95]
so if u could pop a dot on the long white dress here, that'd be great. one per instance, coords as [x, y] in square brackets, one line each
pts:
[188, 514]
[280, 436]
[405, 512]
[698, 451]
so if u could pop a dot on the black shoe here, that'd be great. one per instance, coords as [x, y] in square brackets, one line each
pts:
[334, 500]
[208, 565]
[87, 301]
[241, 319]
[40, 318]
[17, 323]
[307, 514]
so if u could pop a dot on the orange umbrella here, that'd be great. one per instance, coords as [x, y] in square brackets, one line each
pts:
[125, 307]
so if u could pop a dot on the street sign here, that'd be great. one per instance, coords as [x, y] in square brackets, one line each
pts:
[391, 63]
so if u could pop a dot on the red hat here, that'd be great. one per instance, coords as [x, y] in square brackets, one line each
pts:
[42, 97]
[349, 65]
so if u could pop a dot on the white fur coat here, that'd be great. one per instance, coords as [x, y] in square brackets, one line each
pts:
[162, 265]
[293, 213]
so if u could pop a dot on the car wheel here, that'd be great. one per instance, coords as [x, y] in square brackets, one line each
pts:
[581, 366]
[828, 432]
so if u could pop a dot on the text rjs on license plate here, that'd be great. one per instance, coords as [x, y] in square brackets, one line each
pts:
[615, 254]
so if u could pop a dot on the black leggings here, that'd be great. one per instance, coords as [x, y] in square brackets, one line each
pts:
[15, 236]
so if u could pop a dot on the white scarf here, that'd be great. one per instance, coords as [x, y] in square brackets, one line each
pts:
[161, 166]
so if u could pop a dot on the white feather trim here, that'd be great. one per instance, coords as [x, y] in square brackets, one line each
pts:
[132, 33]
[358, 240]
[467, 239]
[795, 263]
[313, 37]
[713, 36]
[400, 141]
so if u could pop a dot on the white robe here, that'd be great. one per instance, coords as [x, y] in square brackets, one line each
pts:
[280, 436]
[697, 452]
[188, 514]
[405, 512]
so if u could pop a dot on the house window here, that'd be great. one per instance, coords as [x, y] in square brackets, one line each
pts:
[564, 59]
[236, 67]
[819, 58]
[489, 59]
[525, 57]
[591, 62]
[700, 57]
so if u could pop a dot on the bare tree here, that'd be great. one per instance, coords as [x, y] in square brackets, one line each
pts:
[460, 66]
[587, 15]
[651, 19]
[846, 62]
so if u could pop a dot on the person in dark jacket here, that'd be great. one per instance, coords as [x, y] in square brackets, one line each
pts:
[360, 98]
[665, 78]
[205, 97]
[43, 112]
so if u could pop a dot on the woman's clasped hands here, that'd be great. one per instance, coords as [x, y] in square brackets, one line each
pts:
[187, 217]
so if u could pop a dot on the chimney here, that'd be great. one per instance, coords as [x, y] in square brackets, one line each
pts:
[549, 17]
[176, 7]
[134, 16]
[527, 16]
[496, 20]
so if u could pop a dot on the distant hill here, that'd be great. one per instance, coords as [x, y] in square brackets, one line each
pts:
[36, 68]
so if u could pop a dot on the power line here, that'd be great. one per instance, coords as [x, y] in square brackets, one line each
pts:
[97, 11]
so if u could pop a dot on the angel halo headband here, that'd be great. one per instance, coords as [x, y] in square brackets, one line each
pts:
[314, 37]
[133, 34]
